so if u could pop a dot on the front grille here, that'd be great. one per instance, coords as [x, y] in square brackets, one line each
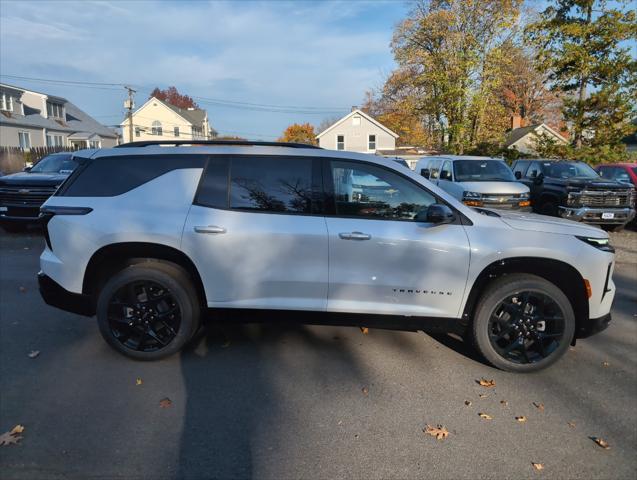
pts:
[25, 195]
[502, 200]
[602, 198]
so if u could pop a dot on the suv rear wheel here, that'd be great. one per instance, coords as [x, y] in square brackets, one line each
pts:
[523, 323]
[148, 310]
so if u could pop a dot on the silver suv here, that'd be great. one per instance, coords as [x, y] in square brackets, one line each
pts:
[149, 237]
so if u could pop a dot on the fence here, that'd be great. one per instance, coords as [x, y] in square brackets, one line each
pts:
[14, 159]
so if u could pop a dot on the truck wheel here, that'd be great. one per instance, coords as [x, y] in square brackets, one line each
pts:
[548, 207]
[149, 310]
[523, 323]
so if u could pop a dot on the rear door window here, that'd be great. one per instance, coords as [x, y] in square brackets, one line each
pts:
[275, 184]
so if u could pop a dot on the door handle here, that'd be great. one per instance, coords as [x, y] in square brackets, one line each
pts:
[355, 236]
[210, 229]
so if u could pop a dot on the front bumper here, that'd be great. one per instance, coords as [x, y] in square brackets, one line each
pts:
[55, 295]
[589, 327]
[12, 214]
[594, 215]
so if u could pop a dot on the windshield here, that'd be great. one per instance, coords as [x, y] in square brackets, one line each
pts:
[482, 171]
[55, 164]
[568, 170]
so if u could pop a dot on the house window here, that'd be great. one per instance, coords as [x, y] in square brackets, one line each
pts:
[55, 110]
[340, 142]
[137, 132]
[176, 131]
[7, 103]
[54, 140]
[371, 143]
[156, 129]
[25, 140]
[356, 121]
[94, 144]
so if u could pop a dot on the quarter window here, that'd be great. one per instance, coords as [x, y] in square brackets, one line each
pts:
[340, 142]
[368, 191]
[371, 144]
[272, 184]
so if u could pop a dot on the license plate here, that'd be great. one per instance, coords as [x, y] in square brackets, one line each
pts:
[4, 209]
[608, 216]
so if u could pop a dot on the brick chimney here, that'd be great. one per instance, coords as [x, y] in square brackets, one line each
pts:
[516, 121]
[354, 107]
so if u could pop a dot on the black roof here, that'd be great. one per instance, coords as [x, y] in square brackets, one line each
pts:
[240, 143]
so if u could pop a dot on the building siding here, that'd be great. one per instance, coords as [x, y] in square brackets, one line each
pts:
[356, 133]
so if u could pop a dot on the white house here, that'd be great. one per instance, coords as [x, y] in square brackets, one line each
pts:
[357, 132]
[524, 139]
[159, 120]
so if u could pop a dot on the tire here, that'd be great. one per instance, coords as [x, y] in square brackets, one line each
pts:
[155, 290]
[548, 207]
[494, 317]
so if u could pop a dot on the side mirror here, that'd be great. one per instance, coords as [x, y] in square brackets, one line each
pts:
[518, 175]
[27, 169]
[539, 179]
[424, 172]
[445, 175]
[437, 213]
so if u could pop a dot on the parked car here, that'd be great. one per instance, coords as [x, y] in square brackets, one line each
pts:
[476, 181]
[575, 191]
[619, 172]
[22, 194]
[148, 236]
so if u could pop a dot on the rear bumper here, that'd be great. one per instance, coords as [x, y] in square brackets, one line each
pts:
[592, 326]
[55, 295]
[594, 215]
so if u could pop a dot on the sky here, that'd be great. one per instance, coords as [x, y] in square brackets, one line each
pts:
[321, 56]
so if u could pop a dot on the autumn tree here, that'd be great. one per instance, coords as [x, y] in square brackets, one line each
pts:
[584, 47]
[171, 95]
[299, 133]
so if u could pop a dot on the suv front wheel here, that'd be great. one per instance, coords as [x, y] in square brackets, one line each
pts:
[523, 323]
[148, 310]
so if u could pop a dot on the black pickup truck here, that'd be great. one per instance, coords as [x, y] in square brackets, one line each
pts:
[575, 191]
[22, 194]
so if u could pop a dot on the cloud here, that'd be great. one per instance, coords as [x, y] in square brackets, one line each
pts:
[293, 53]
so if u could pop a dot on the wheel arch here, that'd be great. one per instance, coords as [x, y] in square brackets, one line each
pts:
[563, 275]
[112, 258]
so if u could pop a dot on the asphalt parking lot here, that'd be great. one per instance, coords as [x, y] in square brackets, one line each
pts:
[274, 401]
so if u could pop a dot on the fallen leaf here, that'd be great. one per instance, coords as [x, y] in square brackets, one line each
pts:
[538, 466]
[486, 383]
[521, 419]
[482, 395]
[485, 416]
[571, 424]
[12, 437]
[22, 289]
[33, 353]
[365, 330]
[17, 429]
[504, 402]
[539, 406]
[365, 390]
[467, 403]
[138, 381]
[439, 432]
[165, 402]
[605, 364]
[601, 442]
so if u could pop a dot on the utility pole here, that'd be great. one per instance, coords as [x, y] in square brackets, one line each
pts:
[129, 105]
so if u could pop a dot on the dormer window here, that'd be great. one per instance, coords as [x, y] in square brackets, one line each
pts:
[7, 103]
[55, 110]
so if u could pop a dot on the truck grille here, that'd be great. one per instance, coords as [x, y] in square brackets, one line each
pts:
[603, 198]
[25, 195]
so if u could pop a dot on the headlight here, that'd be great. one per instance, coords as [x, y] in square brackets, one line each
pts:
[525, 196]
[573, 197]
[599, 243]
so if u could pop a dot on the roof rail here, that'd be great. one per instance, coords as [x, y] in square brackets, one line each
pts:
[194, 143]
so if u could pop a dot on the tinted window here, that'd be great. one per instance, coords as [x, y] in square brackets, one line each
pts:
[568, 170]
[213, 189]
[482, 171]
[615, 173]
[272, 184]
[520, 166]
[363, 190]
[110, 176]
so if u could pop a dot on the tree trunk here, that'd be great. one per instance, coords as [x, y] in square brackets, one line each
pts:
[579, 133]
